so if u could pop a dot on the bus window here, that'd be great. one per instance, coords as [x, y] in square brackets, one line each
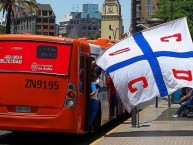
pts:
[46, 52]
[81, 74]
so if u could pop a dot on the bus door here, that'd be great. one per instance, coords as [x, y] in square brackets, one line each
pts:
[102, 116]
[103, 96]
[88, 88]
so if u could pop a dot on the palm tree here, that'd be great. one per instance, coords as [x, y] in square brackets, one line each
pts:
[11, 7]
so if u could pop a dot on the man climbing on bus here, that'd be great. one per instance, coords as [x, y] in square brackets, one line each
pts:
[93, 102]
[96, 83]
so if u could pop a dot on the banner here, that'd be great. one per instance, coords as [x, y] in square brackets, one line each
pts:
[151, 63]
[34, 57]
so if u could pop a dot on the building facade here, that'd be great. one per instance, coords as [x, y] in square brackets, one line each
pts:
[42, 24]
[81, 24]
[111, 23]
[142, 10]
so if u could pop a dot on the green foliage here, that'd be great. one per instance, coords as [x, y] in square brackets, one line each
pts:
[174, 9]
[2, 29]
[95, 35]
[10, 8]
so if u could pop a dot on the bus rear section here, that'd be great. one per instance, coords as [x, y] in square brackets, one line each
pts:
[37, 93]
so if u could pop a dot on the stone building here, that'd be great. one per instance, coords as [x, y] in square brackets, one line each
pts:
[81, 24]
[29, 22]
[141, 11]
[111, 23]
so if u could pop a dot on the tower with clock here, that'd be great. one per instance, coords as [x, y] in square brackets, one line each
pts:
[111, 22]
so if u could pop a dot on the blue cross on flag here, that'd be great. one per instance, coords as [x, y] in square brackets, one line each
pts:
[154, 62]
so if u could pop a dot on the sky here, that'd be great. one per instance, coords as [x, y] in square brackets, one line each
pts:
[62, 7]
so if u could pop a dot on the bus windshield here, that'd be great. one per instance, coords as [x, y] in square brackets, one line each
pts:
[34, 57]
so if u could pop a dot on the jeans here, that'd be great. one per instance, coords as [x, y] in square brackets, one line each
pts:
[93, 108]
[183, 106]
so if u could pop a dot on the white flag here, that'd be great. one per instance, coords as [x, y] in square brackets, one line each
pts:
[154, 62]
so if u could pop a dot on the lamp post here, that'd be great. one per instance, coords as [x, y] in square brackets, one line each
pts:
[142, 25]
[171, 18]
[155, 21]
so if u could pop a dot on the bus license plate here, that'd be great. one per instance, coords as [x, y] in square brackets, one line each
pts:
[23, 109]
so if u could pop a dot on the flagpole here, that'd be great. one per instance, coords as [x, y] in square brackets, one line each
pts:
[138, 116]
[133, 117]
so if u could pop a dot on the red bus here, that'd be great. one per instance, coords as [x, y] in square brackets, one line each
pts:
[45, 82]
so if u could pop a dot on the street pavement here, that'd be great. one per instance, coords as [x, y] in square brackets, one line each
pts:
[156, 127]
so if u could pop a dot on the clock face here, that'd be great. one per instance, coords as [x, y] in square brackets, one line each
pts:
[110, 8]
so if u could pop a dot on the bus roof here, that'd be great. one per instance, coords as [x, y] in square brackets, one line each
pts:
[103, 42]
[32, 37]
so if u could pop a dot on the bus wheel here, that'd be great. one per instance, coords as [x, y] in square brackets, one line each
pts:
[97, 120]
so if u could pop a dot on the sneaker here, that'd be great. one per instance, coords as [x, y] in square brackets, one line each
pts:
[175, 116]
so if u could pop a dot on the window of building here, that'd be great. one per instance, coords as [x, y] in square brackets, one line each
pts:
[39, 20]
[148, 2]
[148, 7]
[39, 27]
[110, 27]
[94, 28]
[148, 13]
[93, 22]
[82, 22]
[45, 26]
[44, 13]
[45, 20]
[89, 28]
[138, 13]
[83, 27]
[45, 33]
[110, 37]
[52, 20]
[138, 7]
[51, 27]
[51, 33]
[18, 22]
[50, 13]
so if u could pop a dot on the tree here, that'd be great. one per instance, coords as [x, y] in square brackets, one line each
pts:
[2, 29]
[174, 9]
[95, 35]
[11, 7]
